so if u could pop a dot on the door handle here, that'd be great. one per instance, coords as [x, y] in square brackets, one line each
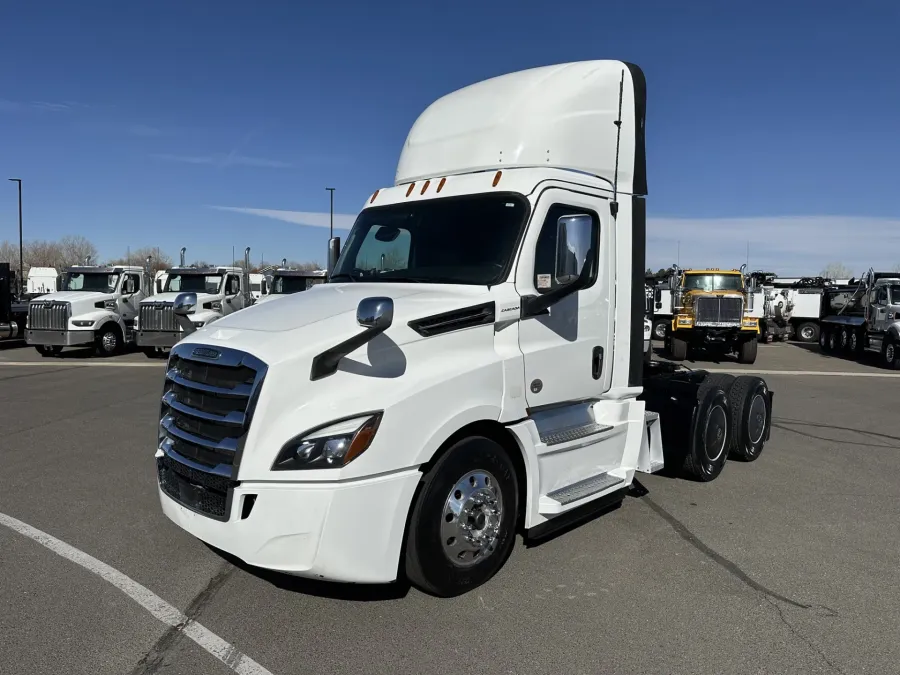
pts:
[597, 363]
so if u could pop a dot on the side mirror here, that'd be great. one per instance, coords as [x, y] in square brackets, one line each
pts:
[375, 313]
[334, 252]
[573, 242]
[129, 286]
[184, 305]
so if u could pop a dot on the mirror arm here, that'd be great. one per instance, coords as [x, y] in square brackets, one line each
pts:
[326, 363]
[535, 305]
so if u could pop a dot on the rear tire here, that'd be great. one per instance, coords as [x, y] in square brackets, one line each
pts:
[461, 532]
[751, 416]
[659, 329]
[808, 332]
[710, 434]
[747, 351]
[890, 354]
[678, 348]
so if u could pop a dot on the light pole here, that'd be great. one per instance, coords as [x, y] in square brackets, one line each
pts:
[21, 255]
[331, 213]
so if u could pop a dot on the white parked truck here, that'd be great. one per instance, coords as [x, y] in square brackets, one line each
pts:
[408, 418]
[95, 306]
[285, 281]
[863, 316]
[220, 291]
[258, 286]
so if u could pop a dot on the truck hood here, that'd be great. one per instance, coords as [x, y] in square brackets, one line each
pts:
[170, 297]
[79, 297]
[325, 315]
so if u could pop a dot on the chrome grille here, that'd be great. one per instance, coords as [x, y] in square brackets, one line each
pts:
[158, 316]
[49, 315]
[208, 401]
[718, 311]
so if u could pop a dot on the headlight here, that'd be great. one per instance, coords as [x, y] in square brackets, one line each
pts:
[329, 447]
[83, 324]
[198, 324]
[216, 306]
[109, 304]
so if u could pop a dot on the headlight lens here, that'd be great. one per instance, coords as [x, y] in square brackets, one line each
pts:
[329, 447]
[198, 324]
[83, 324]
[216, 306]
[109, 304]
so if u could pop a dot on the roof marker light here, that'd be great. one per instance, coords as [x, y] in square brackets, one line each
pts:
[410, 189]
[496, 178]
[374, 195]
[425, 187]
[441, 184]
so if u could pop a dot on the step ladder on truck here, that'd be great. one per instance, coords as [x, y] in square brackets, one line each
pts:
[405, 421]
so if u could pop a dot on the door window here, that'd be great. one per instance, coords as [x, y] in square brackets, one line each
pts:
[567, 236]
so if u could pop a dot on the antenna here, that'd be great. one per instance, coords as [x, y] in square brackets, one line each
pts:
[614, 204]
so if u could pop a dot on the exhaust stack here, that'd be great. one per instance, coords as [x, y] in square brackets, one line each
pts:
[334, 252]
[183, 249]
[148, 274]
[247, 296]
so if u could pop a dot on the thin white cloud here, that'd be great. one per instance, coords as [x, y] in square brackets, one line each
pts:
[785, 245]
[225, 160]
[342, 221]
[40, 106]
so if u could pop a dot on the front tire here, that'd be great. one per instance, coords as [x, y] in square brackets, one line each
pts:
[462, 526]
[108, 341]
[751, 415]
[890, 354]
[659, 329]
[747, 351]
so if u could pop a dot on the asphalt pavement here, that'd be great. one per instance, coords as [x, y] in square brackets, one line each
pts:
[784, 565]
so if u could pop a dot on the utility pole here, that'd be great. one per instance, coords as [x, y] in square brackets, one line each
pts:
[21, 248]
[331, 213]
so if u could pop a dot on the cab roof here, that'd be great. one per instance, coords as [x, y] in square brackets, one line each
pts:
[713, 270]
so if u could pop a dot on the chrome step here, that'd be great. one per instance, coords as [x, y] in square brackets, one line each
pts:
[584, 488]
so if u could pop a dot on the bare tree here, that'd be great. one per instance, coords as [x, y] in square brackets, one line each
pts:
[836, 270]
[74, 249]
[161, 260]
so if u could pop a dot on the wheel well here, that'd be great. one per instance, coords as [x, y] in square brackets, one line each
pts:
[107, 324]
[500, 435]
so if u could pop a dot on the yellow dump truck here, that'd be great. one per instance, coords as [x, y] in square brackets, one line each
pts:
[711, 309]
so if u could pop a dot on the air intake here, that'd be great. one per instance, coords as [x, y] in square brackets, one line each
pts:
[469, 317]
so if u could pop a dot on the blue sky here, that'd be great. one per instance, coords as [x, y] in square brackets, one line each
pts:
[774, 122]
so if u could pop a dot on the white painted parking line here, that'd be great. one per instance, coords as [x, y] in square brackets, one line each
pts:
[159, 608]
[801, 373]
[82, 364]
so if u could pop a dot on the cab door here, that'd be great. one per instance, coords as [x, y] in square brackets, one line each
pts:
[566, 349]
[130, 298]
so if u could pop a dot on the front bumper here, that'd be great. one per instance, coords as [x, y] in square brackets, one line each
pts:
[349, 532]
[59, 338]
[158, 338]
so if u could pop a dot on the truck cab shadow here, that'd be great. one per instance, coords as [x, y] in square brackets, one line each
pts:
[332, 590]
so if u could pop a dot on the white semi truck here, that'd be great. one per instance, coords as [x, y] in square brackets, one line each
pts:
[220, 291]
[285, 281]
[408, 419]
[95, 306]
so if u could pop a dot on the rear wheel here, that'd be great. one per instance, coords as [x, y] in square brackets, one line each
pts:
[678, 348]
[833, 341]
[710, 434]
[890, 354]
[462, 526]
[808, 332]
[747, 351]
[659, 329]
[750, 416]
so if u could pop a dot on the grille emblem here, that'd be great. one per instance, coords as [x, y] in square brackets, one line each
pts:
[205, 353]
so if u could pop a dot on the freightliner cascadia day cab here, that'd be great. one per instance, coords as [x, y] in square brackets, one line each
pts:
[285, 282]
[404, 420]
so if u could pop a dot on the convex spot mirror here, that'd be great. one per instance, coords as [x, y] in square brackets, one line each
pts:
[573, 242]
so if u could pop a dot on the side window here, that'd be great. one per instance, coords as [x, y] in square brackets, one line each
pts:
[384, 249]
[569, 234]
[132, 283]
[882, 296]
[233, 285]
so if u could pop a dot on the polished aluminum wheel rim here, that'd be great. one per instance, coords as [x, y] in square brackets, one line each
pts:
[470, 521]
[109, 341]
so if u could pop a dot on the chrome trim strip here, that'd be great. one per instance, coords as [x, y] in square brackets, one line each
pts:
[225, 445]
[220, 469]
[240, 391]
[234, 418]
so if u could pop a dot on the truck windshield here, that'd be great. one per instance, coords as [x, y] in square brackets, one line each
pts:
[713, 282]
[196, 283]
[288, 285]
[895, 294]
[457, 240]
[96, 282]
